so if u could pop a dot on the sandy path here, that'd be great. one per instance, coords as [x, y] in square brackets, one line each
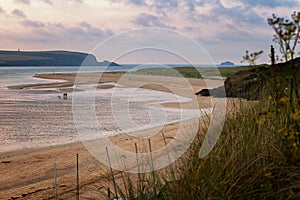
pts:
[28, 174]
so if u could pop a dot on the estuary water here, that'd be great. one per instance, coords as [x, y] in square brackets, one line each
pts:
[31, 118]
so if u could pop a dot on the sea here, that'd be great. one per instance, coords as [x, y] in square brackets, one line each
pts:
[23, 74]
[31, 118]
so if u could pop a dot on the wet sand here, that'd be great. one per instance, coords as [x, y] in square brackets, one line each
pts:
[28, 173]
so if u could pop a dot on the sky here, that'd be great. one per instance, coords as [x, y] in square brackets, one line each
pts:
[224, 28]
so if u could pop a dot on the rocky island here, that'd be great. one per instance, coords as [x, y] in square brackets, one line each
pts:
[227, 63]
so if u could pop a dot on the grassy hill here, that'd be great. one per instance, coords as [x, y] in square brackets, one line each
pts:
[250, 82]
[48, 58]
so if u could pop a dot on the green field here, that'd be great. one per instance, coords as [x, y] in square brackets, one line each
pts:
[192, 72]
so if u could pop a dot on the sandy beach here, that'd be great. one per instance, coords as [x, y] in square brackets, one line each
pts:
[28, 173]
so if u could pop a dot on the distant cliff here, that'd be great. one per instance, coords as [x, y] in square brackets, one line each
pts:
[49, 58]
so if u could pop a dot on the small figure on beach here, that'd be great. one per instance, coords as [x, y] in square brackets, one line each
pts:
[65, 96]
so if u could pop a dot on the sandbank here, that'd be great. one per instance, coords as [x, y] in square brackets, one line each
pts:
[28, 173]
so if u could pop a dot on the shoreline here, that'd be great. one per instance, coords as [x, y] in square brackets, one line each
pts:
[28, 173]
[68, 78]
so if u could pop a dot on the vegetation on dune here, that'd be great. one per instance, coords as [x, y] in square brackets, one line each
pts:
[287, 34]
[258, 153]
[251, 57]
[256, 157]
[249, 83]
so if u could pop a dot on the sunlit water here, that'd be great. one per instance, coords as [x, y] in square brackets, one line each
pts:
[37, 118]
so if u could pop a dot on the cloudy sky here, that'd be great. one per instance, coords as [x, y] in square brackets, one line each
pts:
[225, 28]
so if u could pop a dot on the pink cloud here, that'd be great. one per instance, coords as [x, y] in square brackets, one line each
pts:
[18, 13]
